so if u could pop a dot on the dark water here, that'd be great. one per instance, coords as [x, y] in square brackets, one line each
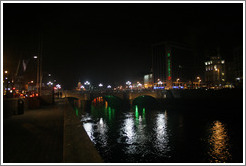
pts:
[177, 134]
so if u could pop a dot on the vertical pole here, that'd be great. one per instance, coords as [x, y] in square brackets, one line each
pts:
[40, 72]
[37, 84]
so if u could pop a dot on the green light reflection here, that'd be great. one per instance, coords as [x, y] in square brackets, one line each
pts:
[77, 112]
[143, 113]
[109, 113]
[136, 112]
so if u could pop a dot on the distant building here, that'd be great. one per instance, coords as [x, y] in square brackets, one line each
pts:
[238, 65]
[215, 71]
[148, 80]
[171, 62]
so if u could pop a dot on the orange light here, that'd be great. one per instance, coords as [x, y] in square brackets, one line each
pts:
[36, 94]
[13, 88]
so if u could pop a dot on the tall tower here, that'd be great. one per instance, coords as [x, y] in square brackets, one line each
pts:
[172, 61]
[169, 79]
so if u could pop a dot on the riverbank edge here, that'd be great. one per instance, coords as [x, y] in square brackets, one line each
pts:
[77, 146]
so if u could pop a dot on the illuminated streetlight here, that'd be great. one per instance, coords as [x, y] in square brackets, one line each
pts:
[128, 83]
[178, 79]
[109, 86]
[100, 85]
[31, 81]
[58, 86]
[35, 57]
[139, 84]
[159, 83]
[50, 83]
[87, 83]
[6, 72]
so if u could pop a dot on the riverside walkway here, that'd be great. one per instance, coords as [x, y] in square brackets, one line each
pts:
[50, 134]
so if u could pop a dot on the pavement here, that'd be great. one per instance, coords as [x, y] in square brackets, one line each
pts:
[50, 134]
[35, 136]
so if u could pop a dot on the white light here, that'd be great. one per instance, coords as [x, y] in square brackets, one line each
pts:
[159, 83]
[238, 78]
[58, 86]
[6, 78]
[87, 83]
[49, 75]
[82, 87]
[222, 61]
[139, 84]
[100, 85]
[35, 57]
[101, 121]
[6, 72]
[128, 83]
[50, 83]
[109, 86]
[206, 63]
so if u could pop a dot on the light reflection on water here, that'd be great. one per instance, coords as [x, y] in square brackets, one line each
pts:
[219, 143]
[142, 135]
[161, 129]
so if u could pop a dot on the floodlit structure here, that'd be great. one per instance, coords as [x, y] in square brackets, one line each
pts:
[215, 71]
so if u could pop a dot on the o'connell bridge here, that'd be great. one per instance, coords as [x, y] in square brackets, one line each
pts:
[124, 95]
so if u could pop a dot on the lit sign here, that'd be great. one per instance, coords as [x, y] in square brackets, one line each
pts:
[169, 66]
[161, 87]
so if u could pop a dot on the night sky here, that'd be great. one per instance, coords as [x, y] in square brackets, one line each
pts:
[112, 42]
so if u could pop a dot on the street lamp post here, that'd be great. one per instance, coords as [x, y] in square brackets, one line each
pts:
[87, 83]
[128, 83]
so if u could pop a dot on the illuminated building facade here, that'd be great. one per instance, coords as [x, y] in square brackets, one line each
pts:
[215, 71]
[172, 61]
[148, 80]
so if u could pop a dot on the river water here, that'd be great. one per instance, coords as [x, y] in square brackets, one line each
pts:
[176, 134]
